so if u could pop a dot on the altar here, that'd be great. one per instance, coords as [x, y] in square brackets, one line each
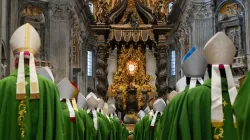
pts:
[131, 86]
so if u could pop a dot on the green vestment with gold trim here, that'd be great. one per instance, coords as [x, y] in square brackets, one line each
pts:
[195, 119]
[42, 119]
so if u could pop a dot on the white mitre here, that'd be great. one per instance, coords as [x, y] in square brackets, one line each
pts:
[111, 100]
[46, 72]
[194, 63]
[92, 100]
[194, 66]
[111, 110]
[25, 39]
[181, 84]
[67, 90]
[141, 114]
[220, 51]
[171, 96]
[100, 105]
[81, 101]
[105, 109]
[147, 110]
[159, 106]
[25, 43]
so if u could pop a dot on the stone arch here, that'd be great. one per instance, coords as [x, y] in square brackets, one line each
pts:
[33, 4]
[233, 1]
[37, 15]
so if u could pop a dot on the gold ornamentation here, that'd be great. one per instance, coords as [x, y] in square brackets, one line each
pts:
[21, 116]
[224, 102]
[34, 96]
[140, 81]
[34, 86]
[21, 87]
[132, 67]
[31, 11]
[218, 133]
[27, 36]
[23, 49]
[74, 104]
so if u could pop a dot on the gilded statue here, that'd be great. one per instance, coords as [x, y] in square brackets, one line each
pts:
[102, 11]
[159, 10]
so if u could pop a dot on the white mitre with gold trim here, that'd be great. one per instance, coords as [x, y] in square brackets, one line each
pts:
[25, 43]
[219, 51]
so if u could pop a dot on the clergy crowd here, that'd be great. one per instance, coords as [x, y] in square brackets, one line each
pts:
[206, 105]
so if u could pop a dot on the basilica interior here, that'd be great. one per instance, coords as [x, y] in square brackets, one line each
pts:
[125, 49]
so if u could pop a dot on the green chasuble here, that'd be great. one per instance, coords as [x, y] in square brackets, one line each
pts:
[170, 118]
[150, 133]
[73, 128]
[90, 132]
[42, 119]
[102, 130]
[108, 126]
[195, 121]
[242, 109]
[140, 127]
[125, 132]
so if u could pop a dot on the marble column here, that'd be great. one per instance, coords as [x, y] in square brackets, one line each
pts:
[60, 41]
[101, 51]
[4, 38]
[248, 34]
[161, 55]
[1, 7]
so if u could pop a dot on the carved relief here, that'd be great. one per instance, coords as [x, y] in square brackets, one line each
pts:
[60, 11]
[76, 43]
[199, 11]
[234, 34]
[183, 37]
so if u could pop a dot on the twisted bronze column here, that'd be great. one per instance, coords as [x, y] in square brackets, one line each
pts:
[162, 65]
[101, 67]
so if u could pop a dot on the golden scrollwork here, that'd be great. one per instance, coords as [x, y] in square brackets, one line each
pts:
[21, 116]
[123, 80]
[31, 11]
